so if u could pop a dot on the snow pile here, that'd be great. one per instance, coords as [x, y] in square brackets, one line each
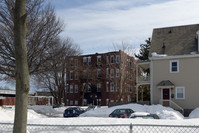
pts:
[8, 114]
[162, 112]
[194, 113]
[44, 109]
[154, 54]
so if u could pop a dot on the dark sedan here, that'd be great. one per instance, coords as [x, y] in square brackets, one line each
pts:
[73, 112]
[121, 113]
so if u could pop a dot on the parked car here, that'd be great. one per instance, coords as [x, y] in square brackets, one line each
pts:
[121, 113]
[73, 112]
[143, 115]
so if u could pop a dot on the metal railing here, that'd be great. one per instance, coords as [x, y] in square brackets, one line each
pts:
[172, 104]
[116, 128]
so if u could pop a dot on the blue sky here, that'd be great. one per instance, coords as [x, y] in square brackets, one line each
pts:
[95, 25]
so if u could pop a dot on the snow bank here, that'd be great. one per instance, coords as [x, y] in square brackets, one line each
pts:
[194, 113]
[162, 112]
[154, 54]
[8, 114]
[44, 109]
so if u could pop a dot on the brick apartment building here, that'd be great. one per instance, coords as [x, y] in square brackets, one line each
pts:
[98, 79]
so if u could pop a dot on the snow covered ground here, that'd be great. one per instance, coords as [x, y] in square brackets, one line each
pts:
[99, 116]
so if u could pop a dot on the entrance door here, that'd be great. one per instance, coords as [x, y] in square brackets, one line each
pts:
[166, 97]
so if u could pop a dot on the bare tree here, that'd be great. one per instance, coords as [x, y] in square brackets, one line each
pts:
[125, 73]
[54, 78]
[88, 79]
[43, 27]
[22, 72]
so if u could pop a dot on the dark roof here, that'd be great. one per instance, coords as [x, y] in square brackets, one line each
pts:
[179, 40]
[165, 83]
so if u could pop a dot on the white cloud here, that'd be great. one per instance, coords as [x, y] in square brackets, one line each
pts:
[97, 25]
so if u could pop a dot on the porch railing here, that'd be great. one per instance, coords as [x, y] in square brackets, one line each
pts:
[172, 104]
[143, 79]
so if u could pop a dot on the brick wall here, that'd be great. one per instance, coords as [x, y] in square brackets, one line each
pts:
[7, 101]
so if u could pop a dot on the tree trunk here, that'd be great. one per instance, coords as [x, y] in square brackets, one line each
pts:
[22, 72]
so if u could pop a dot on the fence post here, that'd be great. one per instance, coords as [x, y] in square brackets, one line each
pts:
[131, 128]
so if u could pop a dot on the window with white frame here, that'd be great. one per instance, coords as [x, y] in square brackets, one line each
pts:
[112, 73]
[107, 60]
[99, 87]
[71, 102]
[76, 75]
[71, 75]
[99, 73]
[107, 101]
[71, 61]
[180, 93]
[85, 102]
[117, 72]
[84, 60]
[117, 58]
[89, 60]
[76, 102]
[112, 87]
[174, 66]
[112, 59]
[67, 101]
[76, 88]
[71, 88]
[107, 86]
[76, 62]
[99, 60]
[89, 88]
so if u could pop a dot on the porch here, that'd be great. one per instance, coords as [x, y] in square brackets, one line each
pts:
[143, 82]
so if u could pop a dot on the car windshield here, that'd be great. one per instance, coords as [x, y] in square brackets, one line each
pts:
[119, 111]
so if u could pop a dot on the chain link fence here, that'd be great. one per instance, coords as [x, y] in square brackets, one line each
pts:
[116, 128]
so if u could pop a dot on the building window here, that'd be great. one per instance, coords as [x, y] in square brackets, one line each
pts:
[71, 88]
[76, 102]
[67, 101]
[76, 75]
[76, 88]
[99, 60]
[71, 61]
[174, 66]
[107, 60]
[71, 102]
[112, 59]
[129, 98]
[89, 61]
[71, 75]
[99, 73]
[89, 88]
[85, 102]
[117, 72]
[84, 60]
[76, 63]
[180, 93]
[117, 59]
[112, 73]
[107, 102]
[99, 87]
[107, 86]
[112, 87]
[99, 101]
